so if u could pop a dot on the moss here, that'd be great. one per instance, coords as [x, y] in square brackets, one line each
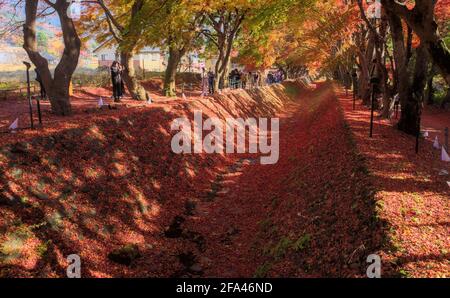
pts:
[281, 248]
[302, 242]
[55, 220]
[262, 270]
[42, 248]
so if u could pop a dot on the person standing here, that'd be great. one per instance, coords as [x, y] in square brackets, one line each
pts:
[211, 82]
[270, 78]
[116, 79]
[256, 79]
[244, 80]
[231, 79]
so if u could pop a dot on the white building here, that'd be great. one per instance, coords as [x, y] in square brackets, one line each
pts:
[149, 59]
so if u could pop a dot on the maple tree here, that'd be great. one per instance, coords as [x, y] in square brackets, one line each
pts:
[109, 22]
[58, 84]
[224, 23]
[174, 26]
[336, 41]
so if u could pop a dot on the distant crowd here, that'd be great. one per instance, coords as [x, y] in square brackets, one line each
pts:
[236, 79]
[239, 79]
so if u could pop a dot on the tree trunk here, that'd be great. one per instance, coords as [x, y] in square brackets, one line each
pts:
[430, 91]
[227, 24]
[400, 58]
[384, 75]
[409, 121]
[364, 78]
[422, 20]
[410, 95]
[135, 88]
[175, 56]
[219, 67]
[223, 72]
[59, 96]
[57, 87]
[366, 66]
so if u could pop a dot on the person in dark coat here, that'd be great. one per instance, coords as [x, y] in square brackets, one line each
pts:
[116, 79]
[39, 80]
[211, 79]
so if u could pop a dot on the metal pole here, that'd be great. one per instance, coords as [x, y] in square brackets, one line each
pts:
[374, 82]
[446, 139]
[203, 81]
[371, 110]
[28, 65]
[396, 110]
[418, 128]
[354, 76]
[39, 110]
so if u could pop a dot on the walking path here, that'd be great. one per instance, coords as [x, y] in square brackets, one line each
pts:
[412, 191]
[308, 215]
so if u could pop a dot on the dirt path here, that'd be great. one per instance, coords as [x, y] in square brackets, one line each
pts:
[308, 215]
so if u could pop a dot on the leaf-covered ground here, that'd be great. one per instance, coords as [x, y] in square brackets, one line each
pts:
[105, 184]
[412, 191]
[309, 215]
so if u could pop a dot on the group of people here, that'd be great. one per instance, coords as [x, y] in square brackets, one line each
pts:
[117, 81]
[239, 79]
[275, 77]
[236, 79]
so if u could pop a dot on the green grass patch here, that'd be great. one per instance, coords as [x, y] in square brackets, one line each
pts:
[302, 242]
[263, 270]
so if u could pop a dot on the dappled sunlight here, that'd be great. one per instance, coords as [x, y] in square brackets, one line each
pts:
[107, 183]
[411, 195]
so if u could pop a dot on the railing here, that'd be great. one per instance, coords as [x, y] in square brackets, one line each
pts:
[20, 92]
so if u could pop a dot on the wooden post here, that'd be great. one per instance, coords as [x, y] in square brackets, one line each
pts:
[143, 67]
[28, 65]
[446, 139]
[374, 81]
[354, 83]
